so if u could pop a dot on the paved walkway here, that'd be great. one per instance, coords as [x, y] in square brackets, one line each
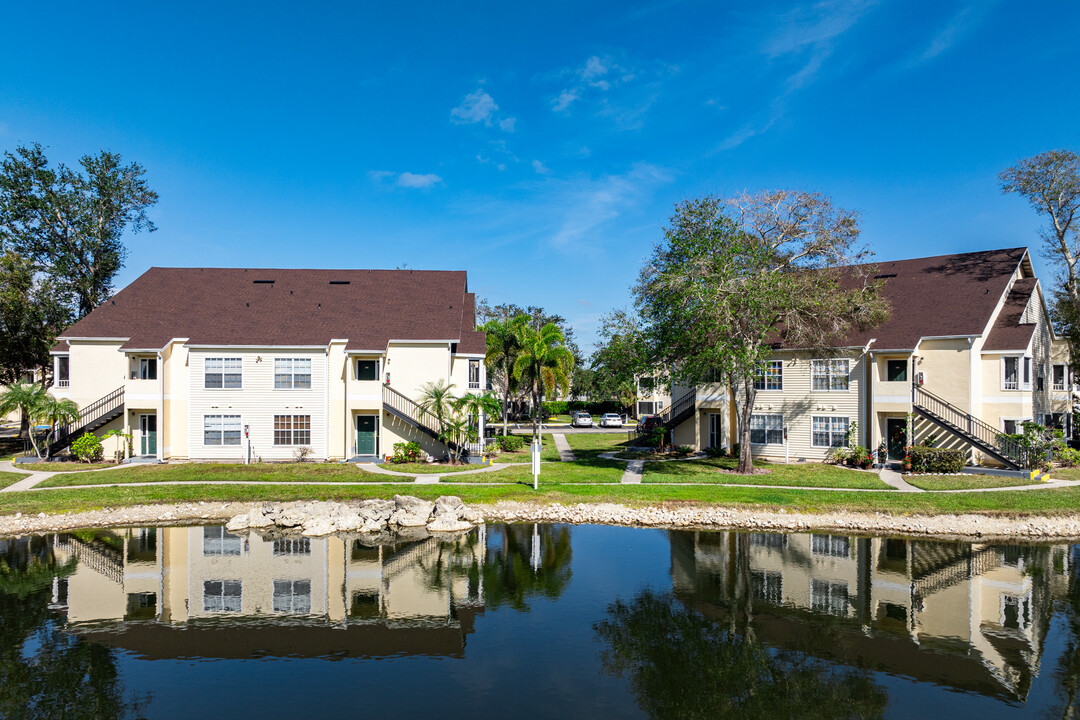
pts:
[634, 470]
[566, 453]
[34, 477]
[429, 478]
[896, 480]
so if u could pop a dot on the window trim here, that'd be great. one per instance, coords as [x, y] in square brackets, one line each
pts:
[829, 375]
[292, 431]
[474, 362]
[356, 369]
[766, 429]
[145, 363]
[773, 372]
[1064, 377]
[222, 430]
[888, 375]
[62, 382]
[831, 417]
[206, 362]
[292, 372]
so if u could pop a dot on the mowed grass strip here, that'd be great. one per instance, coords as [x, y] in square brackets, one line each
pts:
[548, 451]
[967, 482]
[10, 478]
[587, 446]
[419, 468]
[711, 470]
[581, 471]
[218, 472]
[1016, 503]
[62, 466]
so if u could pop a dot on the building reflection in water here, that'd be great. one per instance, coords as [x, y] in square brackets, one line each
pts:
[968, 616]
[202, 591]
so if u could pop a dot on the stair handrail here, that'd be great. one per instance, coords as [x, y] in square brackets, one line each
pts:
[969, 424]
[677, 408]
[92, 413]
[411, 409]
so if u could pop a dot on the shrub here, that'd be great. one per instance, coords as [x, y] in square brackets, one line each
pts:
[838, 456]
[87, 448]
[937, 460]
[715, 452]
[682, 450]
[736, 450]
[511, 443]
[654, 437]
[300, 454]
[406, 452]
[1067, 457]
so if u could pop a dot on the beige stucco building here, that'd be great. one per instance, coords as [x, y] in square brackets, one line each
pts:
[968, 354]
[223, 364]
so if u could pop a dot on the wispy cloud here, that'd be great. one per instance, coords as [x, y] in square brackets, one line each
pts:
[405, 179]
[540, 167]
[480, 107]
[962, 23]
[598, 73]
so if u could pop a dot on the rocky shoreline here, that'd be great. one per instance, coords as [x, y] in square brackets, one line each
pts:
[675, 516]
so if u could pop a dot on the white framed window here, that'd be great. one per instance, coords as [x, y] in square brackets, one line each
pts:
[292, 546]
[292, 373]
[767, 429]
[772, 377]
[1015, 611]
[222, 595]
[773, 541]
[1060, 376]
[63, 370]
[148, 368]
[1015, 372]
[367, 369]
[767, 586]
[829, 431]
[292, 429]
[830, 375]
[830, 545]
[474, 374]
[223, 373]
[221, 429]
[829, 597]
[292, 596]
[217, 542]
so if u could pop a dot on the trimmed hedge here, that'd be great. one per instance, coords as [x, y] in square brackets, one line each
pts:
[565, 407]
[937, 460]
[510, 443]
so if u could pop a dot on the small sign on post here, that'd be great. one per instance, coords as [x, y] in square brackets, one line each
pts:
[536, 464]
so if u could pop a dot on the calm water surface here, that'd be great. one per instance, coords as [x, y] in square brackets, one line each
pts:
[535, 621]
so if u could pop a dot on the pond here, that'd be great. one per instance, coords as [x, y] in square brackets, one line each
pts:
[535, 621]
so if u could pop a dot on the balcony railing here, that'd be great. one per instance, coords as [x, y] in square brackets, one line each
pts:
[63, 383]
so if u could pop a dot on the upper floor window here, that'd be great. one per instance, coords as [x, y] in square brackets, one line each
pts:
[147, 368]
[1059, 377]
[367, 369]
[474, 374]
[896, 370]
[1015, 373]
[771, 378]
[222, 595]
[223, 373]
[217, 541]
[830, 374]
[292, 373]
[63, 366]
[1040, 380]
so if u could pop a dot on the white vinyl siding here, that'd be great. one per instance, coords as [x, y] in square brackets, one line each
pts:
[257, 404]
[830, 375]
[767, 429]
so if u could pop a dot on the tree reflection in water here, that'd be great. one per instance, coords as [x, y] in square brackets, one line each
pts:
[683, 665]
[531, 560]
[63, 676]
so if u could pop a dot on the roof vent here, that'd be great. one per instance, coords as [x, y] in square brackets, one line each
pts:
[262, 282]
[340, 282]
[884, 275]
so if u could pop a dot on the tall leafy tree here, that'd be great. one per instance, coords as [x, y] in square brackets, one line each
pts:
[733, 277]
[544, 364]
[33, 310]
[622, 354]
[71, 223]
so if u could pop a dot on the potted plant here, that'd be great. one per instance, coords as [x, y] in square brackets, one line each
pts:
[905, 463]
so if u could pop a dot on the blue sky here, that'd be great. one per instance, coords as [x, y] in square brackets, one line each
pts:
[541, 146]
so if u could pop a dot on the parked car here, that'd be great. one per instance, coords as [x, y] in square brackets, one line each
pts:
[611, 420]
[647, 423]
[581, 419]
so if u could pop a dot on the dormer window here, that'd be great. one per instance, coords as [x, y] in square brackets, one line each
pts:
[63, 377]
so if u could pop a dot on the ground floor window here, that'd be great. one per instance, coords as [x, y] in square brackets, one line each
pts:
[222, 595]
[217, 542]
[829, 597]
[829, 431]
[767, 586]
[292, 596]
[221, 429]
[767, 429]
[292, 429]
[830, 545]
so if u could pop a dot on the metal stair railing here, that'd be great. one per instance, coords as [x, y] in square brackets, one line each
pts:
[679, 410]
[90, 417]
[409, 410]
[967, 426]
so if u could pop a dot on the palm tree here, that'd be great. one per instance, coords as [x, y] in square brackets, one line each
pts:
[545, 364]
[437, 400]
[503, 348]
[21, 397]
[475, 404]
[53, 412]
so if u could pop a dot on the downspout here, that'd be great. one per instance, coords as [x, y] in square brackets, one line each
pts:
[161, 407]
[326, 403]
[868, 394]
[345, 395]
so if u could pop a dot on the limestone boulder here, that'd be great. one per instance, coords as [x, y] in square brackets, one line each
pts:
[449, 505]
[448, 523]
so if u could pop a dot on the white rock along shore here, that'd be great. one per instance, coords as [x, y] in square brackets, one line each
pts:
[969, 526]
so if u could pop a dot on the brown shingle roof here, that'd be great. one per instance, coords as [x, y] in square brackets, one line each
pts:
[274, 307]
[939, 296]
[1008, 332]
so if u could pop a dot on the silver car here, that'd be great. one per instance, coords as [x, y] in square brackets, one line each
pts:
[610, 420]
[581, 419]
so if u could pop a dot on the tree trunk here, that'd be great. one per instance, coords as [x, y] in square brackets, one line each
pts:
[745, 410]
[506, 408]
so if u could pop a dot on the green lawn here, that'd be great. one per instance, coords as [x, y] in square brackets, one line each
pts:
[1066, 473]
[216, 472]
[802, 474]
[548, 451]
[426, 468]
[1063, 501]
[587, 446]
[10, 478]
[966, 482]
[62, 466]
[582, 471]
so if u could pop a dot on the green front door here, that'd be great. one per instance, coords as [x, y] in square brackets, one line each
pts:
[367, 427]
[148, 434]
[896, 432]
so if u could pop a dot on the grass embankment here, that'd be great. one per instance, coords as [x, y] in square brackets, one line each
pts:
[588, 446]
[419, 468]
[1012, 503]
[10, 478]
[62, 466]
[582, 471]
[548, 451]
[967, 482]
[803, 474]
[219, 472]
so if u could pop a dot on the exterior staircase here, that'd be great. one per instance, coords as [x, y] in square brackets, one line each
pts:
[986, 438]
[408, 411]
[94, 416]
[680, 410]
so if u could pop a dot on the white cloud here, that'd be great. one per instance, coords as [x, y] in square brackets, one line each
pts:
[565, 99]
[540, 167]
[962, 23]
[406, 179]
[507, 124]
[476, 107]
[594, 68]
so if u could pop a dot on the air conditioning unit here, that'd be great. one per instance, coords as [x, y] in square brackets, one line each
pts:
[919, 378]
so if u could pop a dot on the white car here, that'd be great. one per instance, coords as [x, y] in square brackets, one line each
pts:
[610, 420]
[581, 419]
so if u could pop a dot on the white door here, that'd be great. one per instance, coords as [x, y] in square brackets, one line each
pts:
[716, 430]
